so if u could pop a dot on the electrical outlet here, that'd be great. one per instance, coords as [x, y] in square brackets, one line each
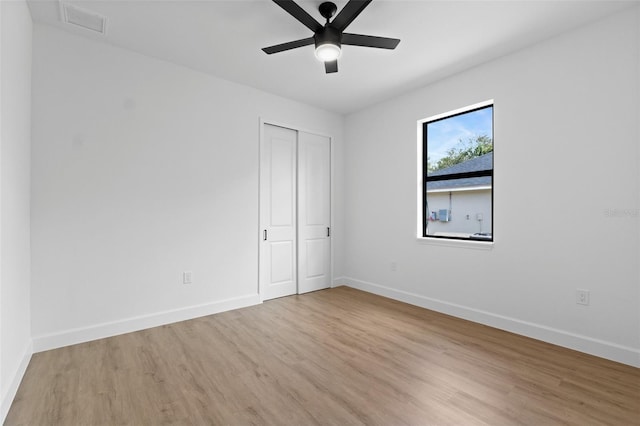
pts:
[394, 265]
[582, 297]
[187, 277]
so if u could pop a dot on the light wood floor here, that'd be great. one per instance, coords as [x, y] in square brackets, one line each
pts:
[334, 357]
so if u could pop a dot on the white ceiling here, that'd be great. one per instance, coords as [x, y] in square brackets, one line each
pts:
[224, 38]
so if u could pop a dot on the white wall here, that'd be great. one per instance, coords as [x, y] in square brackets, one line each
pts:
[15, 146]
[142, 170]
[566, 159]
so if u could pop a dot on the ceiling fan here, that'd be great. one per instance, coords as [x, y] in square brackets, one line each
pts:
[330, 37]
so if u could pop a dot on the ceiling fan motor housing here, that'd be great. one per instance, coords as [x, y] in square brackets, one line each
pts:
[328, 35]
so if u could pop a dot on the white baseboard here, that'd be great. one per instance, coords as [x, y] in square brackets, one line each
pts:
[338, 281]
[600, 348]
[100, 331]
[10, 394]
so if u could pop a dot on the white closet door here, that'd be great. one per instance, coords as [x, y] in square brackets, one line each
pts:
[314, 212]
[278, 202]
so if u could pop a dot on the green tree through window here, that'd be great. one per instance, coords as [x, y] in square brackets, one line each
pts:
[473, 147]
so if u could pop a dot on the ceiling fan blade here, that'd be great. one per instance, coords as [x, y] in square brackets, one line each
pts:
[369, 41]
[348, 13]
[300, 14]
[288, 46]
[331, 66]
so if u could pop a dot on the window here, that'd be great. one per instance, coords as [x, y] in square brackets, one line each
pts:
[457, 174]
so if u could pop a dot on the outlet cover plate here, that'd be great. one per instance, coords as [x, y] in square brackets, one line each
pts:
[582, 297]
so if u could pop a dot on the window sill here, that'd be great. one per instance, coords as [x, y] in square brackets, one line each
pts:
[477, 245]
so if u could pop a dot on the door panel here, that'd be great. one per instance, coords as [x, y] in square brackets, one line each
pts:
[278, 201]
[281, 262]
[315, 257]
[314, 212]
[283, 183]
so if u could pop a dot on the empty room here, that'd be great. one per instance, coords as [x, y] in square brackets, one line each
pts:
[308, 213]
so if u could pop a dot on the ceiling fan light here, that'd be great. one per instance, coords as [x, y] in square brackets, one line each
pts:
[328, 52]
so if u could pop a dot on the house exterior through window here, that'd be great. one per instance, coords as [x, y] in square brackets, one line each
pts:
[457, 174]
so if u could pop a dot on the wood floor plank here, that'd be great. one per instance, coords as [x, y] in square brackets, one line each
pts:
[333, 357]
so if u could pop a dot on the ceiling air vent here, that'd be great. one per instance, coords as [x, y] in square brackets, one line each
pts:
[82, 18]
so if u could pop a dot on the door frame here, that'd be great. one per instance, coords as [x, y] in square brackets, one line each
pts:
[262, 122]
